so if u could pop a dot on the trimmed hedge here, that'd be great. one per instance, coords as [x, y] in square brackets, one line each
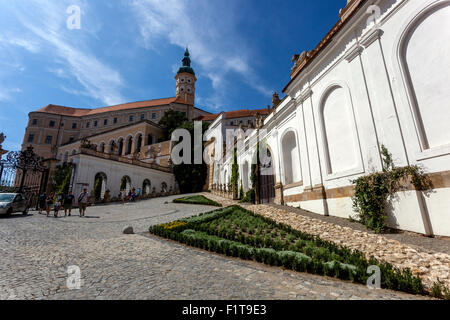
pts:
[229, 231]
[202, 200]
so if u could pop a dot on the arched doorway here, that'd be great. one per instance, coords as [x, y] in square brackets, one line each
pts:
[146, 185]
[138, 143]
[125, 184]
[266, 178]
[163, 187]
[100, 186]
[129, 145]
[120, 147]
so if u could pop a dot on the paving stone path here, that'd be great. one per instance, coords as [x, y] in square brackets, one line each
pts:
[36, 251]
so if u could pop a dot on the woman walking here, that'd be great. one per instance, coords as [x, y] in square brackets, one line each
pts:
[42, 202]
[58, 203]
[49, 202]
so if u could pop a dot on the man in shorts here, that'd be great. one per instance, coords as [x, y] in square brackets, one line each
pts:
[83, 202]
[68, 203]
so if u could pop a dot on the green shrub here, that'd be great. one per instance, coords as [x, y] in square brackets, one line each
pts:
[201, 200]
[372, 192]
[225, 231]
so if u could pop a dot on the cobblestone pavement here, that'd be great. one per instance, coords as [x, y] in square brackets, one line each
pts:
[36, 251]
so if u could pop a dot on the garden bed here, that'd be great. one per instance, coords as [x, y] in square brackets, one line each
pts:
[199, 199]
[236, 232]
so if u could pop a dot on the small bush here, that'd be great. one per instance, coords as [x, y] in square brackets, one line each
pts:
[236, 232]
[201, 200]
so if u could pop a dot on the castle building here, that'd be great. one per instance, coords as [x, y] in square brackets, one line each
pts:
[379, 77]
[121, 141]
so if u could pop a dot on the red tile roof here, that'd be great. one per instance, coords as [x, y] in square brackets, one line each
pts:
[77, 112]
[235, 114]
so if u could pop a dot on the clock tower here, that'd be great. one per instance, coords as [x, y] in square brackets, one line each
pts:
[186, 80]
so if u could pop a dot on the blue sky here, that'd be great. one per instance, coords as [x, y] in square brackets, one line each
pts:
[129, 50]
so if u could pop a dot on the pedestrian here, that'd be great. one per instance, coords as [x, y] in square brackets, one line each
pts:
[83, 201]
[49, 203]
[133, 195]
[68, 203]
[58, 204]
[42, 202]
[123, 195]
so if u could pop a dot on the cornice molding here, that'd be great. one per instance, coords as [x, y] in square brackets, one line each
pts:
[371, 37]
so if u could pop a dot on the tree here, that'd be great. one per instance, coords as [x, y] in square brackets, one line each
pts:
[191, 177]
[235, 175]
[170, 121]
[61, 180]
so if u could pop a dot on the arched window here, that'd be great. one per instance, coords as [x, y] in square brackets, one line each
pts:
[146, 185]
[120, 147]
[291, 161]
[129, 145]
[163, 187]
[125, 184]
[100, 186]
[424, 57]
[112, 147]
[138, 143]
[339, 131]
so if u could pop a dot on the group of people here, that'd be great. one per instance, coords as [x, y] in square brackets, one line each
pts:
[62, 202]
[131, 196]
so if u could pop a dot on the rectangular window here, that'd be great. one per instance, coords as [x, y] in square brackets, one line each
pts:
[31, 138]
[115, 120]
[95, 123]
[34, 123]
[72, 139]
[48, 140]
[74, 125]
[142, 117]
[51, 124]
[88, 125]
[131, 118]
[105, 122]
[153, 115]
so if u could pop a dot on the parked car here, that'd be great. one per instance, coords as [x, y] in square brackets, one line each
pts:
[13, 202]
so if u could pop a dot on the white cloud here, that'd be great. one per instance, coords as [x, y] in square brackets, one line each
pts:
[7, 94]
[214, 43]
[28, 44]
[45, 21]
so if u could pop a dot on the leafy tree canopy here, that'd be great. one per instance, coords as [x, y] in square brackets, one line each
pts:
[170, 121]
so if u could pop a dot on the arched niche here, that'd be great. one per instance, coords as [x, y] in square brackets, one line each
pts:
[424, 57]
[340, 138]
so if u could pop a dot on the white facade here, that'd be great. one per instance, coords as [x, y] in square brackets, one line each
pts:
[383, 83]
[87, 167]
